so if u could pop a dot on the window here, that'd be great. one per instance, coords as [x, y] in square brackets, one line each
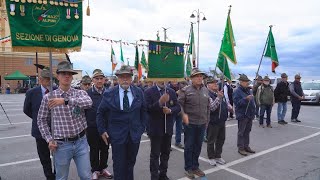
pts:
[28, 62]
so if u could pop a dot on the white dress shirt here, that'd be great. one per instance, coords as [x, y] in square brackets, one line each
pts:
[121, 95]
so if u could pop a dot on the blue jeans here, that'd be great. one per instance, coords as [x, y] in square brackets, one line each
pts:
[178, 128]
[282, 110]
[76, 150]
[267, 109]
[193, 138]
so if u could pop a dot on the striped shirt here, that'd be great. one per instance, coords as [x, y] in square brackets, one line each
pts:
[67, 124]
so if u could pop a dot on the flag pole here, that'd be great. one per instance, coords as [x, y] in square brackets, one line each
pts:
[222, 83]
[264, 49]
[165, 115]
[51, 93]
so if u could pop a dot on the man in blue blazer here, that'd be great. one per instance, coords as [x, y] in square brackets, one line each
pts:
[160, 102]
[121, 120]
[31, 107]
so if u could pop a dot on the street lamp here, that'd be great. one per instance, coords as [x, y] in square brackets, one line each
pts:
[198, 14]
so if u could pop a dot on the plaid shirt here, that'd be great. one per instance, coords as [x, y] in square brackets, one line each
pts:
[66, 123]
[214, 104]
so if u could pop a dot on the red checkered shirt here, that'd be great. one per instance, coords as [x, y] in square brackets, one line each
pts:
[66, 123]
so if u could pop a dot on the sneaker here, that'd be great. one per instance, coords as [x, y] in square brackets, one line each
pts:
[189, 174]
[106, 174]
[249, 150]
[261, 125]
[212, 162]
[179, 145]
[242, 152]
[199, 173]
[95, 175]
[220, 161]
[269, 126]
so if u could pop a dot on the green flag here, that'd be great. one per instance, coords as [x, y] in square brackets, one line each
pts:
[192, 47]
[188, 66]
[36, 27]
[228, 42]
[222, 64]
[136, 62]
[121, 53]
[144, 61]
[271, 51]
[113, 59]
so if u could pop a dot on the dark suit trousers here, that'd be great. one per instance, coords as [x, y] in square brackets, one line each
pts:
[98, 150]
[44, 156]
[244, 129]
[216, 137]
[124, 159]
[160, 148]
[296, 105]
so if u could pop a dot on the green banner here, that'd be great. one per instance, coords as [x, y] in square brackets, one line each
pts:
[166, 60]
[45, 25]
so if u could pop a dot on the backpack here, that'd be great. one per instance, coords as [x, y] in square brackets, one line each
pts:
[266, 95]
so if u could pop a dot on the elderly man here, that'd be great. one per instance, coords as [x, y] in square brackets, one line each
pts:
[121, 122]
[245, 111]
[281, 94]
[297, 96]
[195, 103]
[265, 100]
[98, 149]
[85, 83]
[65, 107]
[31, 108]
[161, 101]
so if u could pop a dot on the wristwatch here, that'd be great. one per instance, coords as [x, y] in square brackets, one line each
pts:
[66, 101]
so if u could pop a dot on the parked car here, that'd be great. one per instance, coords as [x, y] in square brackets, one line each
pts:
[311, 90]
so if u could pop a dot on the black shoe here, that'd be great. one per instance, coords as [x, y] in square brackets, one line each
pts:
[179, 145]
[281, 122]
[165, 177]
[294, 120]
[249, 150]
[298, 120]
[285, 122]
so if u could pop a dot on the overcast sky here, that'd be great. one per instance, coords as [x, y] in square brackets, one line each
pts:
[296, 31]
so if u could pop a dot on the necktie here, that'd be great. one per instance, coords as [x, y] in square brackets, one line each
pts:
[47, 91]
[125, 101]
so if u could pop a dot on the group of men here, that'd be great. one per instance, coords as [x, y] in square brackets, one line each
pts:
[82, 124]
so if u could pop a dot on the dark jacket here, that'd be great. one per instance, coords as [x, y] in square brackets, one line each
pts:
[155, 115]
[241, 104]
[31, 107]
[91, 113]
[214, 115]
[282, 92]
[255, 88]
[296, 90]
[120, 124]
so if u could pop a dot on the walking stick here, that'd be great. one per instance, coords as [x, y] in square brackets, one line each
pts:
[51, 94]
[5, 113]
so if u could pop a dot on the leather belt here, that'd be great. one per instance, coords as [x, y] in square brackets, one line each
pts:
[80, 135]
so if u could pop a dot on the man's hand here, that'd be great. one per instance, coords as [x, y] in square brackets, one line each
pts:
[164, 98]
[166, 110]
[185, 119]
[55, 102]
[301, 97]
[52, 145]
[105, 137]
[248, 98]
[220, 94]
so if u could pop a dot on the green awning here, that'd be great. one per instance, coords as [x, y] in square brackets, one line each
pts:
[16, 76]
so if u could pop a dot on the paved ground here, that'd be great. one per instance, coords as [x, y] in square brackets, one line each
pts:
[283, 152]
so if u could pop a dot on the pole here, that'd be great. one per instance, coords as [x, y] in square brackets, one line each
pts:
[264, 49]
[5, 114]
[37, 70]
[198, 20]
[51, 93]
[222, 84]
[187, 49]
[165, 34]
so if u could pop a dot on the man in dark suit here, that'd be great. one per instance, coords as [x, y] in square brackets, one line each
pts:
[31, 107]
[160, 102]
[121, 120]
